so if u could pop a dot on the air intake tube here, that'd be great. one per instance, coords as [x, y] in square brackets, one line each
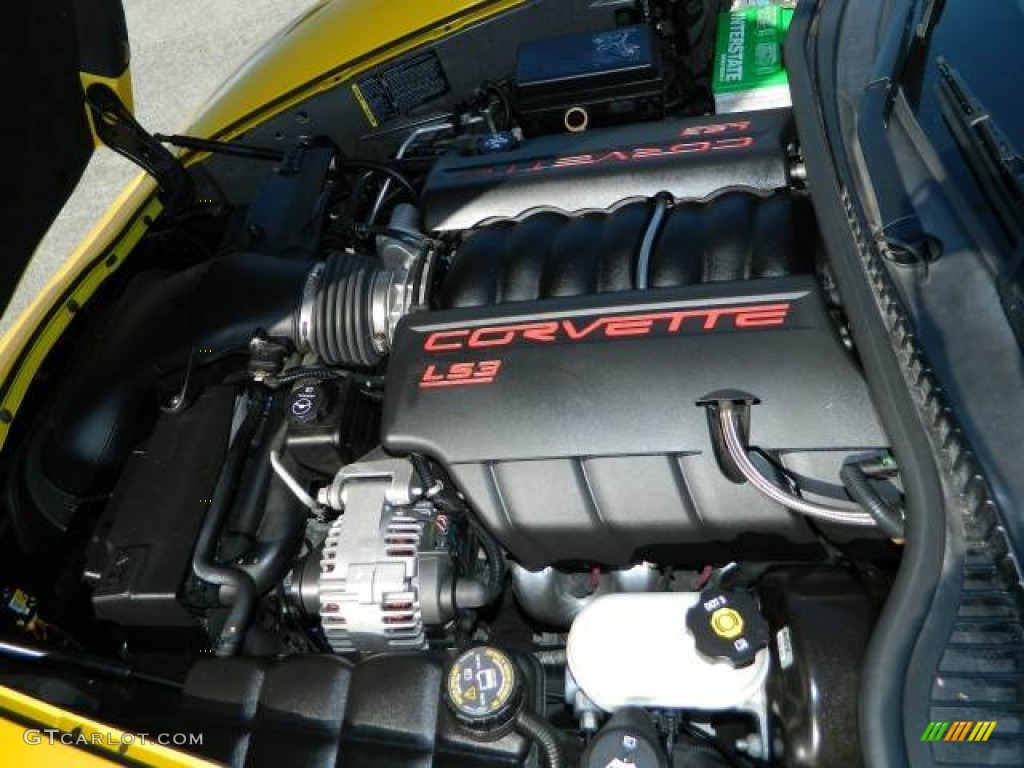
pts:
[350, 307]
[343, 309]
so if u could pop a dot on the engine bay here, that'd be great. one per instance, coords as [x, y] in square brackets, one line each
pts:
[540, 410]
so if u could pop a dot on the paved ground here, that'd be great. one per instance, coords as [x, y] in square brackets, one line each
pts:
[181, 51]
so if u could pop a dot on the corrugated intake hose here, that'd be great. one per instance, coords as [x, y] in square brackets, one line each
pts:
[341, 332]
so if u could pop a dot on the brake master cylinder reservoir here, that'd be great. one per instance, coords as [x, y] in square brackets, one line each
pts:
[677, 650]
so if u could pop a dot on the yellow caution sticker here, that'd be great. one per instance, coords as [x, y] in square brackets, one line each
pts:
[364, 105]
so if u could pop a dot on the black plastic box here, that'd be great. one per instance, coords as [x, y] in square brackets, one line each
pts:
[577, 82]
[141, 551]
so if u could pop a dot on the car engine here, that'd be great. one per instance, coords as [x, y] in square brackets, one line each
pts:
[574, 417]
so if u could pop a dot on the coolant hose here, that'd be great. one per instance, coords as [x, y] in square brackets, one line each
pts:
[279, 541]
[266, 528]
[238, 583]
[280, 533]
[544, 735]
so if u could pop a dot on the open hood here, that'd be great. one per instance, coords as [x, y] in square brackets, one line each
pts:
[54, 50]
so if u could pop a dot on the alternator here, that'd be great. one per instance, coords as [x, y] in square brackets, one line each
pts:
[369, 580]
[385, 572]
[369, 592]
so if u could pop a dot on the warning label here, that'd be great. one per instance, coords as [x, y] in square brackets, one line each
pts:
[395, 91]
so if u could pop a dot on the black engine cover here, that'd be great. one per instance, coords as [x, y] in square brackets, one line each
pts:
[691, 159]
[572, 424]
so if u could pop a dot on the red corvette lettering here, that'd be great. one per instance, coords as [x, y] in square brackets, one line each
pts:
[563, 162]
[690, 148]
[628, 326]
[543, 332]
[502, 335]
[574, 334]
[711, 130]
[740, 142]
[491, 337]
[622, 156]
[674, 321]
[643, 152]
[444, 341]
[763, 317]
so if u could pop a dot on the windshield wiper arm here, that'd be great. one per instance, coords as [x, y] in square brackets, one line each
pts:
[909, 33]
[931, 12]
[912, 40]
[994, 160]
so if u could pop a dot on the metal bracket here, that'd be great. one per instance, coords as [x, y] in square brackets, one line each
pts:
[402, 487]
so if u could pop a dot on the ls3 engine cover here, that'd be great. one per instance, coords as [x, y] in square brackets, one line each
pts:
[573, 428]
[691, 159]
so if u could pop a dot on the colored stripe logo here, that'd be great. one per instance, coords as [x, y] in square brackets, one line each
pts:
[959, 730]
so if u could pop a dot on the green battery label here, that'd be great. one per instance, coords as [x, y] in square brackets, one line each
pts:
[749, 70]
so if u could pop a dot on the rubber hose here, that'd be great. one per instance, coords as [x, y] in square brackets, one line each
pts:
[544, 735]
[342, 312]
[279, 540]
[283, 523]
[239, 584]
[861, 491]
[249, 507]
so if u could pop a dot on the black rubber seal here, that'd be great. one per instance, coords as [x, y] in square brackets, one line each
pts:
[895, 635]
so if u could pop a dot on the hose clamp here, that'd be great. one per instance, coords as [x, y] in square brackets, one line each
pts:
[309, 294]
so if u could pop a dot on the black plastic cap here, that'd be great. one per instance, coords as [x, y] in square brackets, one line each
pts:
[630, 738]
[308, 404]
[728, 626]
